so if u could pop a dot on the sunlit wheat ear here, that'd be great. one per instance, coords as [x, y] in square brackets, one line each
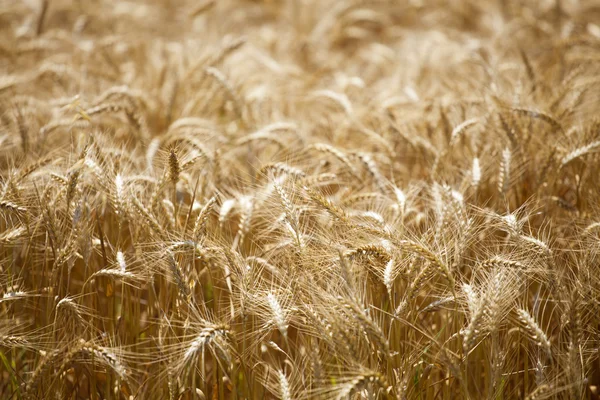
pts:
[198, 152]
[47, 362]
[374, 383]
[151, 151]
[476, 304]
[437, 304]
[373, 170]
[511, 224]
[282, 168]
[488, 308]
[278, 383]
[15, 342]
[246, 204]
[13, 293]
[134, 117]
[64, 256]
[120, 271]
[475, 173]
[11, 206]
[195, 158]
[338, 154]
[226, 207]
[430, 256]
[68, 313]
[539, 115]
[497, 365]
[148, 217]
[401, 200]
[318, 180]
[278, 313]
[345, 273]
[389, 275]
[327, 205]
[216, 339]
[34, 166]
[284, 386]
[368, 325]
[115, 274]
[537, 335]
[579, 152]
[60, 179]
[498, 288]
[413, 289]
[203, 215]
[177, 275]
[458, 131]
[536, 244]
[291, 215]
[498, 261]
[121, 262]
[91, 352]
[458, 208]
[73, 179]
[10, 235]
[189, 246]
[120, 200]
[504, 173]
[378, 253]
[199, 394]
[592, 227]
[96, 169]
[17, 336]
[360, 197]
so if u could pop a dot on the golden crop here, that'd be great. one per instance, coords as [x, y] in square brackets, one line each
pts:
[299, 199]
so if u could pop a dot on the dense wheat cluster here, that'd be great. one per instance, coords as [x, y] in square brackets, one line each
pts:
[299, 199]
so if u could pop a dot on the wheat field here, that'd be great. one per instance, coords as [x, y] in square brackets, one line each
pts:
[299, 199]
